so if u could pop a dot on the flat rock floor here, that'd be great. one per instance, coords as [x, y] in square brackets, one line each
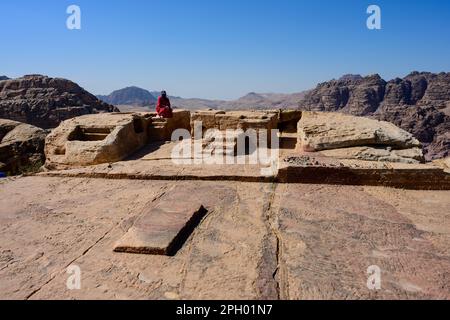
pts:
[263, 241]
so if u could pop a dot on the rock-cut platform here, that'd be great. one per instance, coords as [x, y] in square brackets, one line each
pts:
[257, 240]
[155, 163]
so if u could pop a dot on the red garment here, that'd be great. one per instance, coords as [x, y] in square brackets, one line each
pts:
[163, 108]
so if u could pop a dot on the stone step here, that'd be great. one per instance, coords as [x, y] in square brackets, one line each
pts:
[158, 120]
[220, 147]
[157, 126]
[222, 152]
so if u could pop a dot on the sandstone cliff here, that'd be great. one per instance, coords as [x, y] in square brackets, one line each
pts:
[45, 102]
[418, 103]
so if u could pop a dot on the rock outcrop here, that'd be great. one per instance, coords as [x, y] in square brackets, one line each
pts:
[355, 96]
[107, 138]
[429, 124]
[418, 103]
[21, 147]
[333, 148]
[350, 137]
[353, 77]
[132, 96]
[45, 102]
[94, 139]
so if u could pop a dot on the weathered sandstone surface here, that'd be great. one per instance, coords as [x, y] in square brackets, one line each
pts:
[411, 155]
[107, 138]
[45, 102]
[260, 241]
[223, 120]
[346, 136]
[21, 147]
[89, 139]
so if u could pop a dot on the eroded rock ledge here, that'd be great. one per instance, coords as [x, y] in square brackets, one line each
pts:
[314, 147]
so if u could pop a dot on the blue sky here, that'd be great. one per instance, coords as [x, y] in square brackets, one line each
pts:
[221, 48]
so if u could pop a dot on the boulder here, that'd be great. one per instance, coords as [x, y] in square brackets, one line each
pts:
[345, 136]
[21, 147]
[95, 139]
[324, 131]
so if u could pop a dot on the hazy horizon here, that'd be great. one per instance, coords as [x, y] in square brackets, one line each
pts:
[222, 49]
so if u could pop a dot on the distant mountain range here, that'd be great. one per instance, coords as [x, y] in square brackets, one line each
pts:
[3, 78]
[132, 98]
[266, 101]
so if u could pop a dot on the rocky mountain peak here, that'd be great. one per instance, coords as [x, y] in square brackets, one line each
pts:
[132, 95]
[45, 102]
[351, 77]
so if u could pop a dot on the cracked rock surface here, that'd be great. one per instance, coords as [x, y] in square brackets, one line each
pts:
[264, 241]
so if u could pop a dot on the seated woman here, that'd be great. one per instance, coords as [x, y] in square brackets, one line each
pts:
[163, 108]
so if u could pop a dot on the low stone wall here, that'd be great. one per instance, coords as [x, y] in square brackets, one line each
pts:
[181, 120]
[231, 120]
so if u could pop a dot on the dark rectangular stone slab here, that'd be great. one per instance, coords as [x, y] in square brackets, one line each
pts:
[163, 228]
